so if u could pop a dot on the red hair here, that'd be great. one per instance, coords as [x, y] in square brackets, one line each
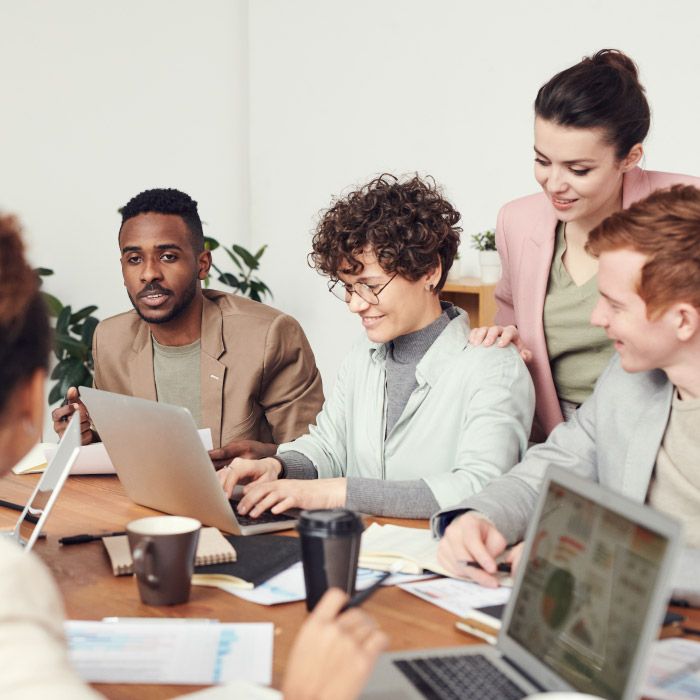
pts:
[666, 228]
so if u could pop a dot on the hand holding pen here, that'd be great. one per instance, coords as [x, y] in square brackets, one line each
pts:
[70, 405]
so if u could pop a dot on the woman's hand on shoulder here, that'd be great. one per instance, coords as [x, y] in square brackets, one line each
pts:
[501, 336]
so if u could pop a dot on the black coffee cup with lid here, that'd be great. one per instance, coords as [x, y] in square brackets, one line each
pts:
[330, 547]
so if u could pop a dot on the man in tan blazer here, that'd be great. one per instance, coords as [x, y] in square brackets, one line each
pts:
[243, 369]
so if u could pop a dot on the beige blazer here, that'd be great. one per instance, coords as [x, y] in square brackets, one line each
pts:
[259, 379]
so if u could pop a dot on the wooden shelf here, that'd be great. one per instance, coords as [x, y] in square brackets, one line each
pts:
[475, 297]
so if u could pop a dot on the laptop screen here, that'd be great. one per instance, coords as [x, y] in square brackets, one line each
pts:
[36, 511]
[586, 586]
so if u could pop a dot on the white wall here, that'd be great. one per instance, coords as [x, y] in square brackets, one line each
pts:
[341, 91]
[101, 100]
[262, 110]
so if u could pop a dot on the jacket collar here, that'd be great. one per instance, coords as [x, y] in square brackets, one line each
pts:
[635, 186]
[440, 355]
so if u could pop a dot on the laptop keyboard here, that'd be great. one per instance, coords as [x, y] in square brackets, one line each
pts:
[459, 678]
[266, 517]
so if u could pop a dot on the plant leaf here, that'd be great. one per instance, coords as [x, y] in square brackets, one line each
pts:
[88, 330]
[259, 254]
[235, 259]
[55, 394]
[53, 305]
[43, 271]
[75, 348]
[63, 366]
[63, 320]
[83, 313]
[248, 258]
[230, 279]
[210, 243]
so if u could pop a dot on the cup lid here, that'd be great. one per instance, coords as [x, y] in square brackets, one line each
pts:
[335, 521]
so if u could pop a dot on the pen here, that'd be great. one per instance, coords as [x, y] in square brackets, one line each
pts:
[82, 539]
[65, 402]
[15, 506]
[503, 567]
[362, 596]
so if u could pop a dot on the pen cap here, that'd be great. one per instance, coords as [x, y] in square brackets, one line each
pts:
[330, 547]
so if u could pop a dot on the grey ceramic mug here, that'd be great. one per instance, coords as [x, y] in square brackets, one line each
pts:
[163, 549]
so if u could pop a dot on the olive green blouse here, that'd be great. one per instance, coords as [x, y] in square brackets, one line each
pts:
[578, 352]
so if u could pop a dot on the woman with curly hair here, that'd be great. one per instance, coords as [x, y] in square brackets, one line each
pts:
[418, 419]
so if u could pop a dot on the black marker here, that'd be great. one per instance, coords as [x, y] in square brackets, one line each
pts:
[362, 596]
[503, 567]
[82, 539]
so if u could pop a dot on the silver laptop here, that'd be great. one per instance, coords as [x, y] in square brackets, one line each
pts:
[162, 463]
[35, 514]
[587, 601]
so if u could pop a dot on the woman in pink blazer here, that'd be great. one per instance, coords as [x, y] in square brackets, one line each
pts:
[590, 123]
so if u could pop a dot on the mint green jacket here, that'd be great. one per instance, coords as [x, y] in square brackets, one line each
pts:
[467, 421]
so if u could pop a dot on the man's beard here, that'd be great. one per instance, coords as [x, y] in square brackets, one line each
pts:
[187, 297]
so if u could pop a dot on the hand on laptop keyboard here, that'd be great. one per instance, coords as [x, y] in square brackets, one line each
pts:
[281, 495]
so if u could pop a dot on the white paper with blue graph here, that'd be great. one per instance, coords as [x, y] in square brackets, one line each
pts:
[171, 651]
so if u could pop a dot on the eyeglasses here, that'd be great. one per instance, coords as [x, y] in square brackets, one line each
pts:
[367, 292]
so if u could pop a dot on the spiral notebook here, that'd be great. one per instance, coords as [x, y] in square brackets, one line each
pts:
[213, 548]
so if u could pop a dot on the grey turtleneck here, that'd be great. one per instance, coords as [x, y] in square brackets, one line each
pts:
[401, 499]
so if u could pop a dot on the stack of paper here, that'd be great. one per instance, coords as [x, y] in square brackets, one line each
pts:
[457, 596]
[92, 459]
[170, 651]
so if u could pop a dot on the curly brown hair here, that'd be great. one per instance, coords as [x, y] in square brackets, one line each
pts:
[409, 226]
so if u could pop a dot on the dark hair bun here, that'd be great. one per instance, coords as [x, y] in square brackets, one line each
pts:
[616, 59]
[601, 91]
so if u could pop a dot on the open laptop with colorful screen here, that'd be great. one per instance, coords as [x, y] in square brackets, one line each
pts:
[36, 512]
[587, 601]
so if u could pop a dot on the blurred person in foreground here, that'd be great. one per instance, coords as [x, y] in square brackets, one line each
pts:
[33, 653]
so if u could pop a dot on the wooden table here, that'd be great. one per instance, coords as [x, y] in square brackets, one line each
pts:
[90, 591]
[98, 504]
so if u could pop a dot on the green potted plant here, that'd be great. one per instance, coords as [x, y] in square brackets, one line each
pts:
[242, 281]
[72, 343]
[489, 262]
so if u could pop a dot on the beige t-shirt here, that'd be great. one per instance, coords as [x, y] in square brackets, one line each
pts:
[578, 352]
[177, 372]
[675, 486]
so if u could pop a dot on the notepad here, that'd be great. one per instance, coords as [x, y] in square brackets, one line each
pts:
[384, 545]
[260, 557]
[212, 548]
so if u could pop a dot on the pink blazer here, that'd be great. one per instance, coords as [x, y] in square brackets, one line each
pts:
[525, 234]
